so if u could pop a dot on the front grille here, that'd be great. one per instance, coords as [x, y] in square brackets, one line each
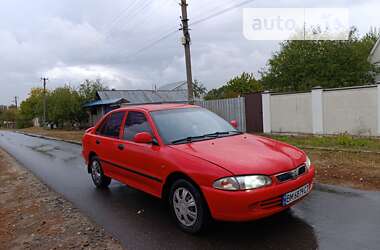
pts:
[291, 175]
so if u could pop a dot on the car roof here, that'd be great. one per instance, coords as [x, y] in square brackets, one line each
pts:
[157, 107]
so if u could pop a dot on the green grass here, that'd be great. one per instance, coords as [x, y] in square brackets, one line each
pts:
[339, 142]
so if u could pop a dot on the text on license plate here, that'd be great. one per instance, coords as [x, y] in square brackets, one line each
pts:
[295, 195]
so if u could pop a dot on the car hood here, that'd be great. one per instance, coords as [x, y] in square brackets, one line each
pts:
[246, 154]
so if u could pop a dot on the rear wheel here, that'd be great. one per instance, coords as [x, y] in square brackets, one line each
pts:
[97, 175]
[188, 207]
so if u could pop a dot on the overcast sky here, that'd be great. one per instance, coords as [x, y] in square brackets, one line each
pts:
[72, 40]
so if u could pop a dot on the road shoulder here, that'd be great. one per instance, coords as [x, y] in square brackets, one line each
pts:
[34, 217]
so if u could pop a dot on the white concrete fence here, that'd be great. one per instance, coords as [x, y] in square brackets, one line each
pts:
[352, 110]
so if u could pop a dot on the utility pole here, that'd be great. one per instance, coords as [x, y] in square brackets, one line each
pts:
[186, 44]
[44, 80]
[16, 101]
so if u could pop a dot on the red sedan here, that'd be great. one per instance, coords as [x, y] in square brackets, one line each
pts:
[198, 162]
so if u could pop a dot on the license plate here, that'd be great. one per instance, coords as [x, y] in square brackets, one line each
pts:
[295, 195]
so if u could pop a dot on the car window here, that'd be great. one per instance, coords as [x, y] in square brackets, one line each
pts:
[136, 123]
[111, 127]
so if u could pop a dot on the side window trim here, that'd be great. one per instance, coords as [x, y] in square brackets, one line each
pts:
[121, 133]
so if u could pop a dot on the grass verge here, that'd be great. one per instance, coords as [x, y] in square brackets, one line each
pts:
[74, 135]
[332, 142]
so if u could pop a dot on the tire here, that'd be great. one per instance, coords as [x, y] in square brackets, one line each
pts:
[188, 207]
[100, 180]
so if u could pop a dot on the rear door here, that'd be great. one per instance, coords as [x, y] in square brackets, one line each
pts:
[107, 140]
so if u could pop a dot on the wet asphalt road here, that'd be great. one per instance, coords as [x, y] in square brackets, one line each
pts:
[330, 218]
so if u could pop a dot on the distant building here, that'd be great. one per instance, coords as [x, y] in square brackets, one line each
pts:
[374, 58]
[112, 99]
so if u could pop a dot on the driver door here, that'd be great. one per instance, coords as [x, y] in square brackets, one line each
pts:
[142, 162]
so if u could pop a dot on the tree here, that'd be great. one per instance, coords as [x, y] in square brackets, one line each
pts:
[32, 107]
[301, 65]
[237, 86]
[9, 115]
[65, 106]
[199, 89]
[88, 89]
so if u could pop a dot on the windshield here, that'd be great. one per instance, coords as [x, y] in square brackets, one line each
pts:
[179, 125]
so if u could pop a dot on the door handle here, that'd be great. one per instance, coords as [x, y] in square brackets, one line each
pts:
[97, 142]
[120, 146]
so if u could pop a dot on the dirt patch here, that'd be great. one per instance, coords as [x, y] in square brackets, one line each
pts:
[34, 217]
[357, 170]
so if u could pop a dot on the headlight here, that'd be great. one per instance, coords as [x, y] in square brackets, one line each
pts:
[242, 182]
[253, 181]
[229, 183]
[308, 163]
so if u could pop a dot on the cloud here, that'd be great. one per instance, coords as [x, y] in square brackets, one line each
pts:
[69, 41]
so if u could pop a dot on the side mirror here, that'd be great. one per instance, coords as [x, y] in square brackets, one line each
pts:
[143, 137]
[234, 123]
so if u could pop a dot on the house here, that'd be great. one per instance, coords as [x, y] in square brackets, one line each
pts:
[112, 99]
[374, 58]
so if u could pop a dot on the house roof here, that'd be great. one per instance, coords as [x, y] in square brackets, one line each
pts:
[174, 86]
[157, 107]
[105, 102]
[144, 96]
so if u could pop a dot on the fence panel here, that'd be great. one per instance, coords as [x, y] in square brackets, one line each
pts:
[352, 111]
[291, 113]
[228, 109]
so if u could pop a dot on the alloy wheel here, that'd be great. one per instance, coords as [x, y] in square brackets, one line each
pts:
[96, 172]
[185, 207]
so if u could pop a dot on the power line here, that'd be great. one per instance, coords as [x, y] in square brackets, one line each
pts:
[136, 14]
[135, 9]
[119, 17]
[153, 43]
[218, 13]
[145, 18]
[210, 7]
[204, 19]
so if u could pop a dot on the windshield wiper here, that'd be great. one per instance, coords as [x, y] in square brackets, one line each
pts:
[216, 134]
[188, 139]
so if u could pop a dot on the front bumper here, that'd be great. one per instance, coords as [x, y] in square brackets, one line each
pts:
[253, 204]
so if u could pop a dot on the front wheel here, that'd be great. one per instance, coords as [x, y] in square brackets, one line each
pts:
[188, 207]
[97, 175]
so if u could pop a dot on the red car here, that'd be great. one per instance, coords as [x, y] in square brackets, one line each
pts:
[198, 162]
